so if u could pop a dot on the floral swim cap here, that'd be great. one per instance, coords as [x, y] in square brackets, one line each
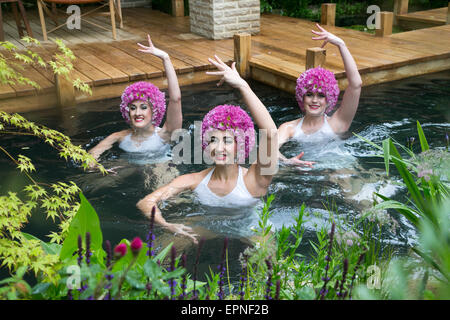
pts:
[229, 117]
[144, 91]
[317, 80]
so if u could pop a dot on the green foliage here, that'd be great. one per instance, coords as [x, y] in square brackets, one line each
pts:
[12, 61]
[426, 178]
[58, 201]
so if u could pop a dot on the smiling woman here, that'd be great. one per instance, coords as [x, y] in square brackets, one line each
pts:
[143, 106]
[317, 93]
[227, 135]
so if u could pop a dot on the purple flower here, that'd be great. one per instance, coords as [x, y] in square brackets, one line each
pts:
[88, 248]
[80, 250]
[172, 282]
[221, 294]
[151, 236]
[269, 279]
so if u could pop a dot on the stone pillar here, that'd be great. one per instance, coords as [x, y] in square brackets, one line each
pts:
[221, 19]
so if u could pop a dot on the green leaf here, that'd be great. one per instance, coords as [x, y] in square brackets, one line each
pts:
[423, 141]
[403, 209]
[85, 220]
[49, 248]
[386, 154]
[162, 255]
[407, 178]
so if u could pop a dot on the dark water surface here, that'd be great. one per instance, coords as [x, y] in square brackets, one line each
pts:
[344, 178]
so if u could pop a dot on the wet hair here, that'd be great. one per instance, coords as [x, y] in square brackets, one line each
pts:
[317, 80]
[230, 117]
[144, 91]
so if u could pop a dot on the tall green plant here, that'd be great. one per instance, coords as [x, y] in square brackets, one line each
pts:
[426, 178]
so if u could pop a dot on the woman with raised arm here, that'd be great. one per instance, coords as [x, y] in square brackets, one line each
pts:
[143, 106]
[317, 93]
[227, 137]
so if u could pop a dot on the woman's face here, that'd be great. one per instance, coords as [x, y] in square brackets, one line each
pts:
[222, 146]
[315, 104]
[140, 113]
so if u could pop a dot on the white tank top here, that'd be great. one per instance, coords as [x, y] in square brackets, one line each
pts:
[238, 197]
[152, 144]
[324, 133]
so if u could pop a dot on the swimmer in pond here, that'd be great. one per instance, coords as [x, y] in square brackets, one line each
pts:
[228, 137]
[317, 93]
[143, 106]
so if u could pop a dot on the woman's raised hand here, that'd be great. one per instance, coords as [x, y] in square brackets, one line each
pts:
[152, 49]
[229, 75]
[326, 36]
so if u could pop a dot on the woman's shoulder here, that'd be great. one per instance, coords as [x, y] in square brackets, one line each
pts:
[192, 180]
[288, 128]
[120, 135]
[290, 125]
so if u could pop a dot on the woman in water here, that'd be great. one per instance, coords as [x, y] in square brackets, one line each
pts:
[143, 106]
[317, 92]
[227, 136]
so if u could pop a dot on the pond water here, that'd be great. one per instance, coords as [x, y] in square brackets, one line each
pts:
[343, 179]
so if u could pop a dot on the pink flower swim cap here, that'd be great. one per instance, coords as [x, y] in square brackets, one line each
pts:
[229, 117]
[317, 80]
[144, 91]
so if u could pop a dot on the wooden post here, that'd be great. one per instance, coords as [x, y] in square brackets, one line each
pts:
[41, 17]
[113, 18]
[328, 15]
[315, 57]
[400, 7]
[65, 91]
[448, 14]
[178, 8]
[242, 50]
[386, 19]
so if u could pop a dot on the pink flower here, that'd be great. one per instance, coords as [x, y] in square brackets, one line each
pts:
[136, 245]
[120, 250]
[317, 80]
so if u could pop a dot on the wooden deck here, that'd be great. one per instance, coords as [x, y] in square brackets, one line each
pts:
[278, 55]
[423, 19]
[279, 52]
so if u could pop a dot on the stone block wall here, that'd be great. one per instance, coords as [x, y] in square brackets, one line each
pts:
[221, 19]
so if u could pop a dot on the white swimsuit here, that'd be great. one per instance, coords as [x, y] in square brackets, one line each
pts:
[238, 197]
[153, 144]
[324, 133]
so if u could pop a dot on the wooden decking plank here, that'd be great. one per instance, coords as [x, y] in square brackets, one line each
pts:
[149, 70]
[115, 74]
[6, 91]
[356, 41]
[131, 48]
[114, 58]
[304, 41]
[277, 66]
[432, 16]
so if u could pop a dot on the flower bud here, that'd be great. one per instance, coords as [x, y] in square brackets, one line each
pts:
[136, 245]
[120, 250]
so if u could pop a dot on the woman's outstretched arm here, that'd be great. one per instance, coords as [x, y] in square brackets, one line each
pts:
[343, 117]
[174, 116]
[176, 186]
